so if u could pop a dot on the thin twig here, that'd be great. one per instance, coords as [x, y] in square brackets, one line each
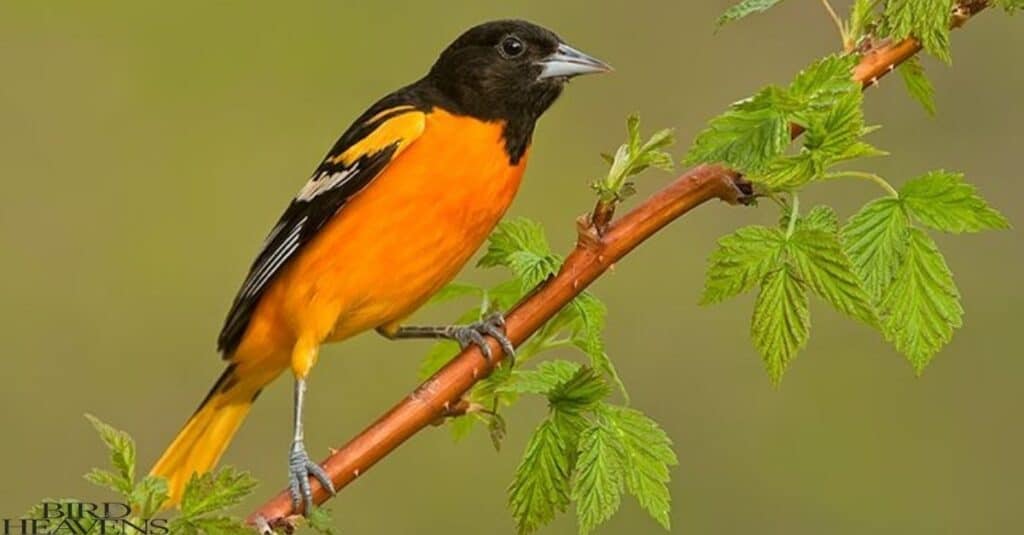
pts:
[835, 20]
[593, 255]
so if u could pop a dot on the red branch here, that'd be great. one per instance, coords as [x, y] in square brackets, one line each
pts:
[594, 253]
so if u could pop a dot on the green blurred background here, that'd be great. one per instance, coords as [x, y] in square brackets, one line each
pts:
[146, 148]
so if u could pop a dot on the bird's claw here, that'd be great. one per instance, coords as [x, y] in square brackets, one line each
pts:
[474, 333]
[300, 467]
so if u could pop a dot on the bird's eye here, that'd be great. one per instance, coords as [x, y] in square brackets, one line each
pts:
[511, 47]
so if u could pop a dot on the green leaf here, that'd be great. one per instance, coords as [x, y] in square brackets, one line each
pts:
[744, 8]
[533, 269]
[148, 496]
[122, 458]
[781, 323]
[587, 336]
[748, 135]
[833, 136]
[821, 263]
[540, 488]
[649, 455]
[876, 240]
[927, 20]
[862, 15]
[580, 392]
[320, 521]
[600, 475]
[922, 307]
[520, 245]
[512, 236]
[742, 259]
[943, 201]
[632, 158]
[819, 218]
[918, 84]
[215, 491]
[754, 133]
[825, 80]
[544, 378]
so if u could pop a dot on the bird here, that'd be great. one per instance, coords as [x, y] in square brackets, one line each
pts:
[401, 202]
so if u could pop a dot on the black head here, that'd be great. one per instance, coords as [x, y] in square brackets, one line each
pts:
[508, 69]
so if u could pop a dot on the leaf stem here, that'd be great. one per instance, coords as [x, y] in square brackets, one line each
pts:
[883, 183]
[837, 21]
[794, 212]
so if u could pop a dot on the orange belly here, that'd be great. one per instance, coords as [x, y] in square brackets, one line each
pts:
[395, 243]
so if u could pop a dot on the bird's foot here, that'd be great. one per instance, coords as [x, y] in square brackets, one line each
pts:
[300, 467]
[474, 333]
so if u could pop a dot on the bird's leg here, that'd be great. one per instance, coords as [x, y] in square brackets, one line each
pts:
[473, 333]
[300, 467]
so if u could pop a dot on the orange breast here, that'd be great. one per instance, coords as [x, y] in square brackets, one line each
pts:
[398, 241]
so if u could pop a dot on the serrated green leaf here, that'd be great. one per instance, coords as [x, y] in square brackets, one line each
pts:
[862, 16]
[148, 496]
[781, 323]
[943, 201]
[789, 171]
[531, 268]
[833, 136]
[922, 306]
[215, 491]
[108, 480]
[320, 521]
[122, 458]
[600, 475]
[512, 236]
[544, 378]
[585, 388]
[819, 218]
[927, 20]
[817, 86]
[648, 458]
[493, 390]
[588, 336]
[875, 240]
[917, 83]
[821, 263]
[748, 135]
[742, 259]
[541, 488]
[743, 9]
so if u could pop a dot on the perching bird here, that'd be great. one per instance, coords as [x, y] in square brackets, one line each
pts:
[392, 213]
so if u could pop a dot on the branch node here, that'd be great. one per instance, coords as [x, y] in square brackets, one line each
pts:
[588, 234]
[262, 526]
[602, 216]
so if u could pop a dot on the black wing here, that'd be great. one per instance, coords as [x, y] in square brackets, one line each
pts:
[340, 176]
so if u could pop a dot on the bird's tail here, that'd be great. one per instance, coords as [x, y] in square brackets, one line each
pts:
[200, 444]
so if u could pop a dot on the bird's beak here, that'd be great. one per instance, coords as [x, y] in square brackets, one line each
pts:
[568, 62]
